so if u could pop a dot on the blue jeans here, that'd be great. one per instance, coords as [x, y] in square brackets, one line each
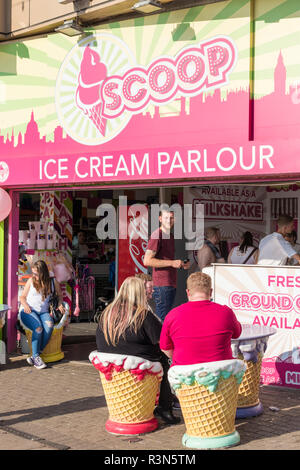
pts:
[41, 325]
[164, 297]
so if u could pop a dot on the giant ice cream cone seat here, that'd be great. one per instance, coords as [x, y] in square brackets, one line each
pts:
[251, 352]
[52, 352]
[130, 385]
[250, 347]
[208, 395]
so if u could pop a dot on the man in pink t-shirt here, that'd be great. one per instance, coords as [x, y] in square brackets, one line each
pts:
[199, 330]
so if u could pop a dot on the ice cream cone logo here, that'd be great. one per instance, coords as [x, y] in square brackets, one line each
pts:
[88, 93]
[78, 97]
[4, 172]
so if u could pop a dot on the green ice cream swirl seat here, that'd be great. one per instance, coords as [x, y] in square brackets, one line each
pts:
[208, 395]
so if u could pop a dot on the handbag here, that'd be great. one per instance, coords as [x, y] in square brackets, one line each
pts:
[53, 304]
[248, 257]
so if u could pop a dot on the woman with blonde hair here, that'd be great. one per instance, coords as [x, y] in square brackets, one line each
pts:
[128, 327]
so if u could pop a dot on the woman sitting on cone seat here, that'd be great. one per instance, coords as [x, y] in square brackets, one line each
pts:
[35, 313]
[128, 327]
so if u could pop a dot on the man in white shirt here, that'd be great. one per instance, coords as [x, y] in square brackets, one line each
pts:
[274, 249]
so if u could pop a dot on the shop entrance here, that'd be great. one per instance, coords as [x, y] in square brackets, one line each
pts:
[233, 209]
[61, 228]
[69, 233]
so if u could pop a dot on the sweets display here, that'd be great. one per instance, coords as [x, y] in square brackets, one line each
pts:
[40, 236]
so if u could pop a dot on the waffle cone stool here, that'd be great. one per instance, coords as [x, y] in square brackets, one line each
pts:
[52, 352]
[208, 395]
[249, 388]
[251, 352]
[130, 385]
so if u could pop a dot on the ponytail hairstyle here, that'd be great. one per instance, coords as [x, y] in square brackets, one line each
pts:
[247, 240]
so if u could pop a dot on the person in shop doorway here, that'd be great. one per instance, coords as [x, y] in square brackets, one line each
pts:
[209, 253]
[128, 327]
[274, 249]
[148, 283]
[159, 256]
[292, 239]
[245, 252]
[35, 312]
[80, 247]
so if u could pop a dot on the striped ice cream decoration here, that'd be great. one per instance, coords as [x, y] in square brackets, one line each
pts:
[63, 225]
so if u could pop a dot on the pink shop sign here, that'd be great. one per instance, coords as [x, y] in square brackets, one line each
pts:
[153, 164]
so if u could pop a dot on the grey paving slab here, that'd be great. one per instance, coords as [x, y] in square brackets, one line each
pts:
[63, 408]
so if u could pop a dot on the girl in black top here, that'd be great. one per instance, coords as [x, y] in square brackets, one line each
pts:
[127, 327]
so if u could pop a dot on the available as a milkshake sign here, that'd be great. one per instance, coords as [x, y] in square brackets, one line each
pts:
[100, 86]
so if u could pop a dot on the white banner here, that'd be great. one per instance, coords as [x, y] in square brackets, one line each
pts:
[266, 296]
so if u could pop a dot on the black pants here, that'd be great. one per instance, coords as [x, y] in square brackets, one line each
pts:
[166, 397]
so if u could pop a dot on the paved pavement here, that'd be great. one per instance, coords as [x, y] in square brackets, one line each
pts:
[63, 408]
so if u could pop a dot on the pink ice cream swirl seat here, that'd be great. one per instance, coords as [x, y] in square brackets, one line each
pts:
[131, 385]
[88, 97]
